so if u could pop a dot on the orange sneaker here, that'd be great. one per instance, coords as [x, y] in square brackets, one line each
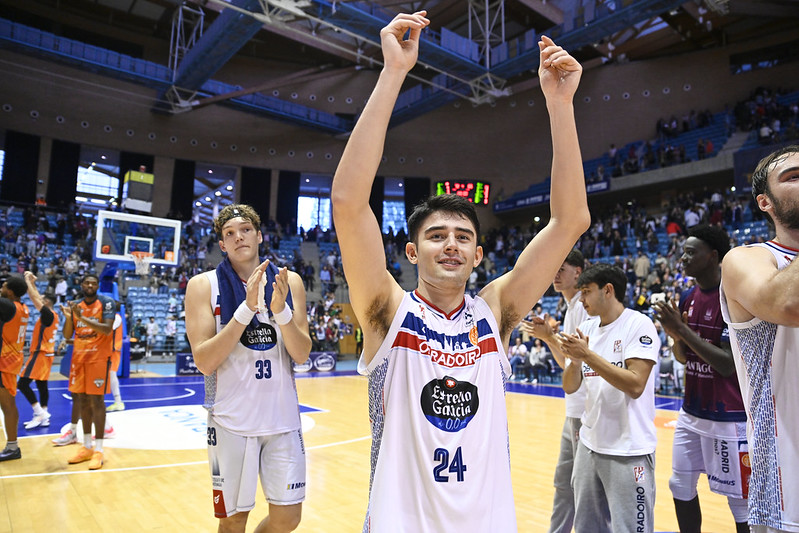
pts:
[97, 461]
[84, 454]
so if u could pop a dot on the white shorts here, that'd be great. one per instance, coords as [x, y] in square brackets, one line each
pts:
[724, 460]
[236, 463]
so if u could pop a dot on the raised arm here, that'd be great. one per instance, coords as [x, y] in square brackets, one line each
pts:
[515, 293]
[33, 292]
[754, 287]
[373, 291]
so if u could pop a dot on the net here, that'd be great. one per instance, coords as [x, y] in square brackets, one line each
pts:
[142, 262]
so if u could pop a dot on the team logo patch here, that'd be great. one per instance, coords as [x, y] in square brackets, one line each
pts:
[99, 383]
[639, 473]
[473, 336]
[219, 504]
[646, 340]
[261, 338]
[617, 346]
[449, 404]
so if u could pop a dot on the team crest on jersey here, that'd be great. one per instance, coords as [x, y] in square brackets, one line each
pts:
[473, 336]
[708, 315]
[617, 346]
[449, 404]
[261, 338]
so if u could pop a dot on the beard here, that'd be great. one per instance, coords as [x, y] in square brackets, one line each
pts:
[787, 213]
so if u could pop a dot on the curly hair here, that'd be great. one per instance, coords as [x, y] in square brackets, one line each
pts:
[236, 210]
[713, 236]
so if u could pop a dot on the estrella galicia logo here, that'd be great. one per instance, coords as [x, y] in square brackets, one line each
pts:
[261, 338]
[646, 340]
[449, 404]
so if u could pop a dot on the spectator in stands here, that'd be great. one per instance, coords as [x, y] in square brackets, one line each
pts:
[642, 265]
[170, 330]
[519, 359]
[538, 360]
[152, 331]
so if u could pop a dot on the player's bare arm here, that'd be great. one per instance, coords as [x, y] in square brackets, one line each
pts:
[572, 377]
[33, 291]
[296, 336]
[209, 348]
[513, 294]
[374, 293]
[755, 288]
[719, 357]
[631, 380]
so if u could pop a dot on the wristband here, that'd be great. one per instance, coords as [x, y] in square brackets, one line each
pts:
[243, 314]
[284, 317]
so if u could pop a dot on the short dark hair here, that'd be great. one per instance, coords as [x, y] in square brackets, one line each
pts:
[602, 274]
[90, 275]
[713, 236]
[766, 165]
[447, 203]
[50, 297]
[575, 259]
[17, 285]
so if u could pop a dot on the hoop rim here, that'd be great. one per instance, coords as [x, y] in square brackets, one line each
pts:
[141, 255]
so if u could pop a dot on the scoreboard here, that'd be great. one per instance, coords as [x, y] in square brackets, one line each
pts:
[476, 192]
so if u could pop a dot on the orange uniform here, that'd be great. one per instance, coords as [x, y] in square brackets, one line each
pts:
[41, 351]
[13, 339]
[91, 353]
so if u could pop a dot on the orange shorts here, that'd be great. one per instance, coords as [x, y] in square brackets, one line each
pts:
[89, 377]
[9, 382]
[116, 357]
[38, 367]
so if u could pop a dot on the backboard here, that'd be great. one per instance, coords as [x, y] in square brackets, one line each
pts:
[120, 234]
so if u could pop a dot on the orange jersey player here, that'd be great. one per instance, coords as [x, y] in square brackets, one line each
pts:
[14, 322]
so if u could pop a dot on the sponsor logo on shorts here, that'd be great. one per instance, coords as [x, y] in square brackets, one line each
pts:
[449, 404]
[646, 340]
[639, 473]
[295, 486]
[99, 383]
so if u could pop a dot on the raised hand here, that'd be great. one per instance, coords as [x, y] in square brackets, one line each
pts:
[541, 328]
[280, 289]
[255, 288]
[574, 346]
[398, 52]
[558, 71]
[670, 318]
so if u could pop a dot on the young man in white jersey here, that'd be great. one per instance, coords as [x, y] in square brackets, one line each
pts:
[565, 283]
[435, 357]
[612, 358]
[760, 303]
[244, 336]
[710, 436]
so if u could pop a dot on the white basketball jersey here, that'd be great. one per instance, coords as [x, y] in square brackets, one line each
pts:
[440, 450]
[253, 393]
[766, 359]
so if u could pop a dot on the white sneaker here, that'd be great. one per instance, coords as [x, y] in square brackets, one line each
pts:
[109, 433]
[69, 437]
[42, 420]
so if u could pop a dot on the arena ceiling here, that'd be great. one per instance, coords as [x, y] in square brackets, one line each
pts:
[310, 39]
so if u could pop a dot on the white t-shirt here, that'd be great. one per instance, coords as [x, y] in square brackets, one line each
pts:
[766, 357]
[615, 423]
[575, 315]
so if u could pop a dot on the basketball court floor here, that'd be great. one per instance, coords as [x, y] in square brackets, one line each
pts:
[156, 475]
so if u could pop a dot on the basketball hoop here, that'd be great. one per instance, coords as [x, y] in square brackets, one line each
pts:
[142, 262]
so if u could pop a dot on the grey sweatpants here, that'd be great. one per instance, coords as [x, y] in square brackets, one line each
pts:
[612, 493]
[563, 504]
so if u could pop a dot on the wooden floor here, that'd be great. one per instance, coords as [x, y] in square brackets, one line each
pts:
[145, 490]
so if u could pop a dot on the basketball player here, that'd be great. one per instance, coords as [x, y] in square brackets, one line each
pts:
[434, 356]
[245, 349]
[565, 283]
[614, 468]
[14, 317]
[40, 361]
[760, 303]
[91, 320]
[710, 436]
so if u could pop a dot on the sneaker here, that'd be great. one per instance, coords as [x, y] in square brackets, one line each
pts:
[116, 406]
[42, 420]
[84, 454]
[69, 437]
[96, 462]
[8, 455]
[535, 381]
